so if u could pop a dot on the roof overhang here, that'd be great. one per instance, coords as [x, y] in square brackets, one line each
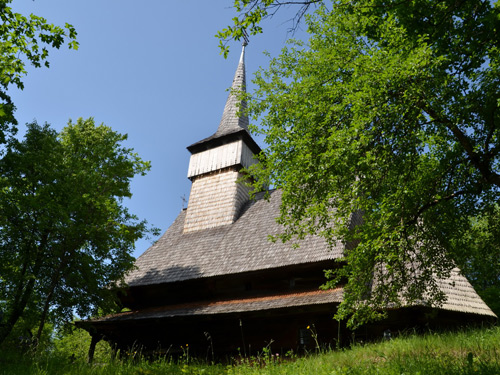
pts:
[218, 307]
[215, 141]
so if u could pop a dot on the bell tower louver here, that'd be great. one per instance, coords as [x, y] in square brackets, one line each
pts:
[216, 197]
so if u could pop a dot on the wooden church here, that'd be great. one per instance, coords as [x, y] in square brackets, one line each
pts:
[215, 283]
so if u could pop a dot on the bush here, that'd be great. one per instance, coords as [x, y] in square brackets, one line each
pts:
[74, 344]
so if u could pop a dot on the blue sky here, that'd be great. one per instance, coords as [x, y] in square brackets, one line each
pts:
[150, 69]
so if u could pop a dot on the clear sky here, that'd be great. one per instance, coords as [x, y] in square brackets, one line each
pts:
[150, 69]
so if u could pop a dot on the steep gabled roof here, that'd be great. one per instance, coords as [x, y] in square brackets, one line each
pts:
[243, 246]
[461, 296]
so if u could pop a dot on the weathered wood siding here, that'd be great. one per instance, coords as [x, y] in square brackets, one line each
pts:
[215, 199]
[234, 153]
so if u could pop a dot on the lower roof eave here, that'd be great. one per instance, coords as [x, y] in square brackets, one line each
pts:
[222, 307]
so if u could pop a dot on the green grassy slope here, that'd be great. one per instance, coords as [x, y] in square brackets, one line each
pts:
[468, 352]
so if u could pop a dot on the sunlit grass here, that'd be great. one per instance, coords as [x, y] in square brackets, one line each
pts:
[468, 352]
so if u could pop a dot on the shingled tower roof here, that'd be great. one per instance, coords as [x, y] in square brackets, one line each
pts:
[234, 118]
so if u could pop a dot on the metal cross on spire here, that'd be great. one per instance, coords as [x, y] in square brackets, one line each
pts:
[246, 38]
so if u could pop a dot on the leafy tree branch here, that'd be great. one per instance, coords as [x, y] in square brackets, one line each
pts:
[66, 239]
[24, 40]
[390, 109]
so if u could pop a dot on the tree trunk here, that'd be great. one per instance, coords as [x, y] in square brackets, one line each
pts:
[43, 318]
[23, 293]
[16, 311]
[56, 276]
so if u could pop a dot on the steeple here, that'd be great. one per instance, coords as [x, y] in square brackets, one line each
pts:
[234, 117]
[216, 196]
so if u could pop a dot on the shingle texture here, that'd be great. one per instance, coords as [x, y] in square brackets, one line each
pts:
[215, 199]
[234, 118]
[461, 296]
[234, 248]
[244, 246]
[316, 297]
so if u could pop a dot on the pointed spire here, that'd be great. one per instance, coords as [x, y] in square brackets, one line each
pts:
[234, 117]
[234, 122]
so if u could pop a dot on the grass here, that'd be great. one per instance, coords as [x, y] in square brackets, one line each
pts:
[468, 352]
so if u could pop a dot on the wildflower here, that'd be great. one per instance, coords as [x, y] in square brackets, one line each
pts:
[308, 327]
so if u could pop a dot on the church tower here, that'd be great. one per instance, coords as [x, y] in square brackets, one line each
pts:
[216, 197]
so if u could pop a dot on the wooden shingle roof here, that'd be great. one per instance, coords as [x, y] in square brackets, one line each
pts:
[240, 247]
[271, 302]
[461, 296]
[244, 246]
[234, 121]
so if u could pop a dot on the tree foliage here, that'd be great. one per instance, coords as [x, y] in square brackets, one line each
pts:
[481, 260]
[65, 237]
[24, 40]
[253, 12]
[389, 111]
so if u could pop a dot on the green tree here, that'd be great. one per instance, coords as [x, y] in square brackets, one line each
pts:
[66, 238]
[253, 12]
[389, 111]
[24, 40]
[481, 261]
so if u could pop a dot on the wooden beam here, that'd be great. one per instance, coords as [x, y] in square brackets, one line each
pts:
[95, 339]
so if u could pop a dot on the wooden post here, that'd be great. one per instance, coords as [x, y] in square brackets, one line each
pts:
[114, 351]
[95, 339]
[338, 334]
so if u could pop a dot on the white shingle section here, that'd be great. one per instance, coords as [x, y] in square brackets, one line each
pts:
[228, 155]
